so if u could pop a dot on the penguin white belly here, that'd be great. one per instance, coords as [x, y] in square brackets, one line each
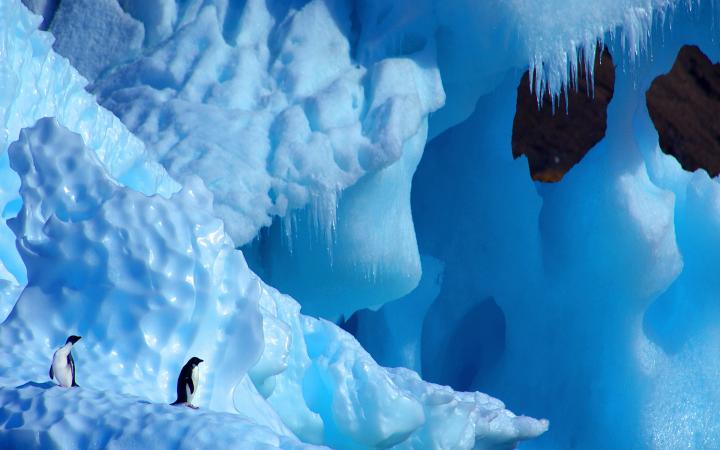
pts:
[61, 369]
[195, 379]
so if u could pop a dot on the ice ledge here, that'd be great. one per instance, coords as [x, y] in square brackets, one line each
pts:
[43, 415]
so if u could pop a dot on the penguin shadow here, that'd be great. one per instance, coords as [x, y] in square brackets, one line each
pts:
[35, 384]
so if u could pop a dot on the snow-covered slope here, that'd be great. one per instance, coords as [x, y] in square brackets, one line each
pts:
[150, 281]
[43, 415]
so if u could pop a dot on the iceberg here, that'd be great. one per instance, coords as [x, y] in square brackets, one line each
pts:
[149, 281]
[303, 192]
[312, 132]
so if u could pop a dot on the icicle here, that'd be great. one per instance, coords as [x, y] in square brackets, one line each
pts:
[555, 69]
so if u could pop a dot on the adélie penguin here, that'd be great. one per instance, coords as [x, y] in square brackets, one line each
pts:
[187, 382]
[62, 368]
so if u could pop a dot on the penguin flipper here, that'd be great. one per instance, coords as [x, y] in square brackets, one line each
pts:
[51, 372]
[71, 363]
[192, 386]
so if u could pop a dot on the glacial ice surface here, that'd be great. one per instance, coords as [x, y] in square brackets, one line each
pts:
[276, 118]
[321, 132]
[43, 415]
[36, 82]
[270, 113]
[149, 281]
[283, 122]
[605, 281]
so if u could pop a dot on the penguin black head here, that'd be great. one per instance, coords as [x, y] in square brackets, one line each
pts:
[73, 339]
[194, 361]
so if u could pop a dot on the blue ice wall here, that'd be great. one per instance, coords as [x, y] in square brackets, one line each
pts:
[320, 131]
[605, 280]
[148, 275]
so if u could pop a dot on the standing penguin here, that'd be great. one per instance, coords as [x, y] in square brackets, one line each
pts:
[187, 382]
[63, 365]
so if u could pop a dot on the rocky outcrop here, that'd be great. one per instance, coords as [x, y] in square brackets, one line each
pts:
[684, 105]
[554, 141]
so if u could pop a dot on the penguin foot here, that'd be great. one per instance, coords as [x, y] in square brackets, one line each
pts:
[190, 405]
